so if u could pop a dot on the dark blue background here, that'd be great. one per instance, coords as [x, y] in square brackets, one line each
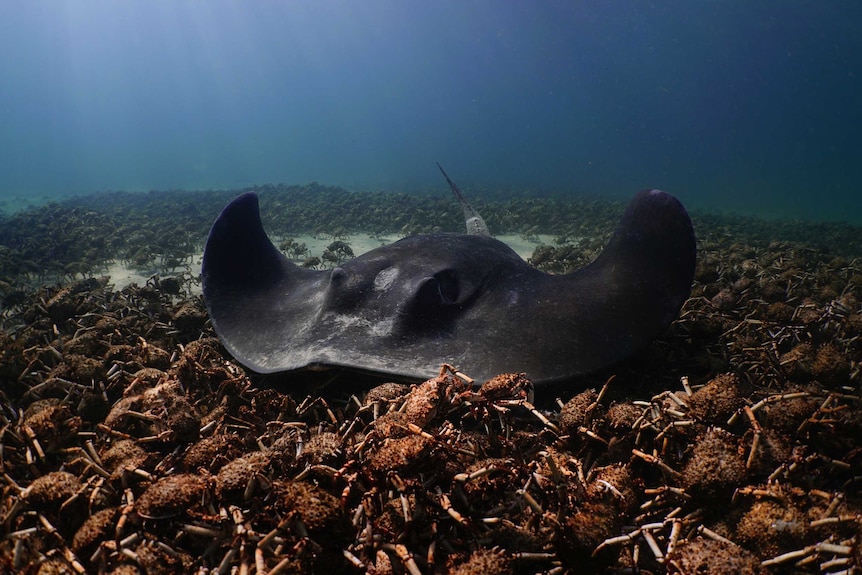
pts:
[753, 107]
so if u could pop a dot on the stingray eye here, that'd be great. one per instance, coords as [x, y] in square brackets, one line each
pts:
[435, 293]
[432, 307]
[342, 280]
[447, 286]
[346, 289]
[339, 276]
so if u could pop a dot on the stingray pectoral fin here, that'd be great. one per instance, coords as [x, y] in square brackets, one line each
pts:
[652, 253]
[246, 283]
[635, 288]
[238, 251]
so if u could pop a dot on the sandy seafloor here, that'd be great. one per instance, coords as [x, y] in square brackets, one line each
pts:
[121, 274]
[130, 441]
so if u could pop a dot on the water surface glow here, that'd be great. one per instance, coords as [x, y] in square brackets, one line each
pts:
[742, 106]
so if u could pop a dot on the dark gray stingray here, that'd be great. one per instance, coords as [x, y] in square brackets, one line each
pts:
[468, 300]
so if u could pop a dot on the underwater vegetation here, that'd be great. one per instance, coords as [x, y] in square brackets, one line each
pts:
[160, 231]
[133, 443]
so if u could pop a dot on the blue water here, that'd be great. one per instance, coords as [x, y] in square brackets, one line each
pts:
[738, 105]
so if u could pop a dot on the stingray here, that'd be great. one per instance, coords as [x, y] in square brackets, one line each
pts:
[469, 300]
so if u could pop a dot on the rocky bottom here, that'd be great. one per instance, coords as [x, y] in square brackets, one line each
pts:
[131, 443]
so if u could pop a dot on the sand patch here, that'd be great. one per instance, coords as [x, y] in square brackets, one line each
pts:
[122, 275]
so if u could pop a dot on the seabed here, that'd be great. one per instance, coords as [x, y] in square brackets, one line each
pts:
[130, 441]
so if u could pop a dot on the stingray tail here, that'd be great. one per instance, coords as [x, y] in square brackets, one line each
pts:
[475, 224]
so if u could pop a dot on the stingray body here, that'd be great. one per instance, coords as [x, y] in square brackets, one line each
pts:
[403, 309]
